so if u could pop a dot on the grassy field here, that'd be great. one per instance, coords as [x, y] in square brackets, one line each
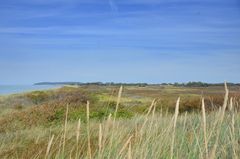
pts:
[127, 122]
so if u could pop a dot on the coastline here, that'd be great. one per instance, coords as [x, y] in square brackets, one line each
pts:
[8, 90]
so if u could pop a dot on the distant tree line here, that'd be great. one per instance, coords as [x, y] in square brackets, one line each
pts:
[200, 84]
[189, 84]
[93, 83]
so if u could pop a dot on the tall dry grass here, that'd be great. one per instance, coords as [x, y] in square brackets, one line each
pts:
[153, 135]
[204, 123]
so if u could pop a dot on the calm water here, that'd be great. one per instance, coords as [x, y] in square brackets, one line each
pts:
[12, 89]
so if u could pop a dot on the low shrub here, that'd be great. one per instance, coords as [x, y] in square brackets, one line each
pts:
[38, 96]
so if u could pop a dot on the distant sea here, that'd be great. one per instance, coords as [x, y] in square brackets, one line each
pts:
[13, 89]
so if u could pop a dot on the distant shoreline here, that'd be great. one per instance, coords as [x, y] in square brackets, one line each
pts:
[6, 90]
[188, 84]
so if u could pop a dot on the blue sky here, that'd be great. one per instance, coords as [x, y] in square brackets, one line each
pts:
[119, 40]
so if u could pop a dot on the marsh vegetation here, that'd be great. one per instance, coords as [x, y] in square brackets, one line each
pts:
[121, 122]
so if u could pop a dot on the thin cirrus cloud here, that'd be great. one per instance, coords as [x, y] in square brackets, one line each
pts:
[113, 5]
[141, 39]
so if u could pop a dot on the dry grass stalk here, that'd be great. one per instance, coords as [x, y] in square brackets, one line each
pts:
[71, 153]
[109, 119]
[125, 145]
[174, 125]
[222, 113]
[100, 136]
[198, 145]
[60, 145]
[231, 104]
[78, 130]
[232, 132]
[225, 103]
[118, 101]
[151, 106]
[214, 125]
[204, 127]
[49, 146]
[154, 109]
[108, 123]
[130, 150]
[185, 120]
[146, 119]
[77, 136]
[65, 129]
[149, 111]
[106, 128]
[153, 114]
[233, 123]
[88, 132]
[115, 115]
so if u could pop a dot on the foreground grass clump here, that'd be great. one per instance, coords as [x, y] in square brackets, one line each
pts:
[77, 132]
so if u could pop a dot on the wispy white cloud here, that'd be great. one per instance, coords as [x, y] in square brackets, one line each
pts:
[113, 5]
